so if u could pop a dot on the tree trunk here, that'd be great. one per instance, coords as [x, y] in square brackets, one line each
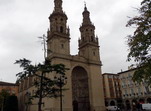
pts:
[40, 93]
[60, 94]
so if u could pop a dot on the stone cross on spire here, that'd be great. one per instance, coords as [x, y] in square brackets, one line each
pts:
[85, 6]
[85, 3]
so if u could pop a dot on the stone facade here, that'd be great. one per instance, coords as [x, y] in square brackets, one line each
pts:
[133, 93]
[84, 77]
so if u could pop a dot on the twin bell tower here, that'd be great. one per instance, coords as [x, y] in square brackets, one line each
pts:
[84, 77]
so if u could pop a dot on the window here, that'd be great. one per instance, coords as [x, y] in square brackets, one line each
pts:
[130, 82]
[91, 38]
[139, 90]
[125, 92]
[110, 76]
[83, 38]
[129, 75]
[94, 53]
[61, 29]
[62, 46]
[132, 91]
[124, 83]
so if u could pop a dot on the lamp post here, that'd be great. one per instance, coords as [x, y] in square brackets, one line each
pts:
[61, 81]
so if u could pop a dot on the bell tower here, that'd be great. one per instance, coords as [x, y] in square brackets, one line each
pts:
[58, 34]
[88, 43]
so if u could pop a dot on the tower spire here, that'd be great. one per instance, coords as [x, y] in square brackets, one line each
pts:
[58, 5]
[86, 15]
[88, 42]
[59, 34]
[85, 6]
[58, 18]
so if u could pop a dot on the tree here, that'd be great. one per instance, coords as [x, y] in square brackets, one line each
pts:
[4, 94]
[140, 43]
[46, 87]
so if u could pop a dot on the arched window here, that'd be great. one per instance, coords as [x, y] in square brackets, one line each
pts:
[94, 53]
[83, 39]
[91, 38]
[61, 29]
[62, 46]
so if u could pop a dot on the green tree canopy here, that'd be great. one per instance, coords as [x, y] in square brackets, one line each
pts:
[45, 87]
[140, 43]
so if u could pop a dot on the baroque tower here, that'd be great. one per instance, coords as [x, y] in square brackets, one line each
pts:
[88, 44]
[58, 35]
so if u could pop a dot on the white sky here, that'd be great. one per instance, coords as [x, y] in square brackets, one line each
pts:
[22, 21]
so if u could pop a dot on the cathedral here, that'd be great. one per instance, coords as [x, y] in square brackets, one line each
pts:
[84, 83]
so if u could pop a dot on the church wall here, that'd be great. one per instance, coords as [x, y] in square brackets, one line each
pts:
[96, 88]
[54, 104]
[95, 85]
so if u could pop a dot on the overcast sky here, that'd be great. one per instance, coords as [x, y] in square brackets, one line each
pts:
[22, 21]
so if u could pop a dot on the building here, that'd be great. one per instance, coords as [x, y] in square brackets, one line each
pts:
[120, 90]
[132, 92]
[84, 77]
[112, 91]
[12, 88]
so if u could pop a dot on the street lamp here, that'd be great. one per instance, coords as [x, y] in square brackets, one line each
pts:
[61, 81]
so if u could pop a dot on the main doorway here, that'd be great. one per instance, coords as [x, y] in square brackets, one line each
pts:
[80, 89]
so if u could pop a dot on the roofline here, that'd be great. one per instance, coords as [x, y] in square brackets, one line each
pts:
[127, 71]
[110, 74]
[7, 84]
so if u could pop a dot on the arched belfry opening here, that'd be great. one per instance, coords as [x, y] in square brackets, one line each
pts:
[80, 89]
[61, 29]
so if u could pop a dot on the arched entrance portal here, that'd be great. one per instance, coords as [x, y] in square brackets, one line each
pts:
[80, 89]
[134, 104]
[128, 106]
